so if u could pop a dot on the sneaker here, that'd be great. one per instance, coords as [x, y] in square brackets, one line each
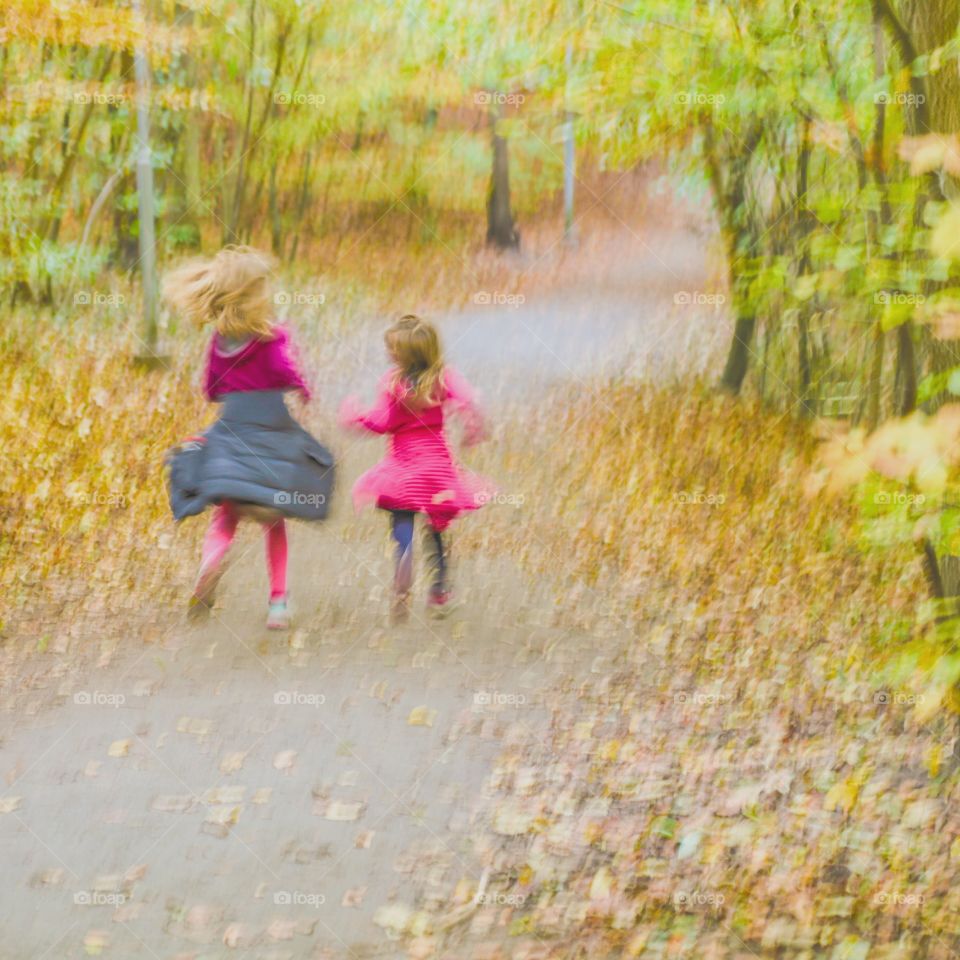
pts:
[440, 604]
[203, 592]
[278, 615]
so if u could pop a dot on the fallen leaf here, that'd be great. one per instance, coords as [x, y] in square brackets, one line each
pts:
[338, 810]
[422, 717]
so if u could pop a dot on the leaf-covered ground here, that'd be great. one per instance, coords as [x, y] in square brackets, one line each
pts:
[657, 726]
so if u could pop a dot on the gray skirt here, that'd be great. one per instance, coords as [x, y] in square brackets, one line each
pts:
[257, 456]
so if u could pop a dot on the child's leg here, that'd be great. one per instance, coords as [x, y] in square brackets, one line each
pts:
[216, 542]
[219, 536]
[275, 535]
[401, 524]
[437, 561]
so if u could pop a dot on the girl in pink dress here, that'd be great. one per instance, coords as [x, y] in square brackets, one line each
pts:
[419, 473]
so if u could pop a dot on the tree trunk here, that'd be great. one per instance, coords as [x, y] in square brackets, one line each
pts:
[276, 222]
[569, 152]
[728, 179]
[876, 375]
[253, 134]
[145, 205]
[805, 225]
[931, 24]
[874, 220]
[231, 224]
[190, 145]
[906, 370]
[124, 216]
[501, 232]
[70, 152]
[738, 358]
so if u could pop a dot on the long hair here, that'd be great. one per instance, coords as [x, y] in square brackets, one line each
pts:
[414, 346]
[230, 290]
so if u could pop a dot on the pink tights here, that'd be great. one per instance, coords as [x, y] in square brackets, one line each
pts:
[220, 535]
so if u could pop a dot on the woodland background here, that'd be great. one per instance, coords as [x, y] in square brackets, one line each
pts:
[377, 147]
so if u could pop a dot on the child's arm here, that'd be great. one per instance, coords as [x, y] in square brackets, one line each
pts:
[463, 401]
[286, 365]
[378, 418]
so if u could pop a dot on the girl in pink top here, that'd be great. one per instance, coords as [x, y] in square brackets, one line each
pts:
[256, 460]
[419, 473]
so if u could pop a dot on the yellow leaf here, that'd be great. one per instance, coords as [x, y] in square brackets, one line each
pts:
[601, 885]
[945, 240]
[842, 795]
[929, 704]
[610, 750]
[422, 717]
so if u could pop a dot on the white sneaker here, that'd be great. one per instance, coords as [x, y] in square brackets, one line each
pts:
[278, 614]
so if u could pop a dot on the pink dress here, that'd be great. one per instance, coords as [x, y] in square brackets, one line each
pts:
[419, 472]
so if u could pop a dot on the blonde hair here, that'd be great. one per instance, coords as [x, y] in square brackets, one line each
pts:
[230, 290]
[415, 347]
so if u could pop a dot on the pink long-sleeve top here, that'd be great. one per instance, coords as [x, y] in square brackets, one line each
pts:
[252, 365]
[391, 413]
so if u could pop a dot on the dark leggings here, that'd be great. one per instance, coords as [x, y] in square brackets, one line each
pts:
[401, 525]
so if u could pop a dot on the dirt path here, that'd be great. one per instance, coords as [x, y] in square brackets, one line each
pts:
[234, 793]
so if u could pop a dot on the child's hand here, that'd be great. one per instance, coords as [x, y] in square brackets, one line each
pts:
[474, 430]
[350, 411]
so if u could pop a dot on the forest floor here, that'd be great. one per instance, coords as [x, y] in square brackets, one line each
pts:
[548, 772]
